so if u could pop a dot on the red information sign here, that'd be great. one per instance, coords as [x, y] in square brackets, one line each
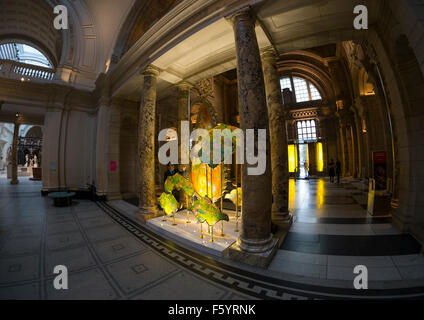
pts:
[113, 166]
[380, 157]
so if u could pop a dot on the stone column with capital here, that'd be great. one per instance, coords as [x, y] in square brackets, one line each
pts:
[146, 144]
[256, 234]
[183, 115]
[102, 138]
[278, 136]
[345, 150]
[15, 154]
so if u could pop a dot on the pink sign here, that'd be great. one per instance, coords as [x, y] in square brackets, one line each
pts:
[113, 166]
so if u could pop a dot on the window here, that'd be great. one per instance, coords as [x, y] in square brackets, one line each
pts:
[306, 130]
[303, 89]
[23, 53]
[286, 83]
[314, 92]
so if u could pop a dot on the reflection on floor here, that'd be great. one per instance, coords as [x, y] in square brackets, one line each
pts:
[332, 234]
[111, 256]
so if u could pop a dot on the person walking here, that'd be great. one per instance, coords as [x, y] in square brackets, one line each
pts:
[332, 171]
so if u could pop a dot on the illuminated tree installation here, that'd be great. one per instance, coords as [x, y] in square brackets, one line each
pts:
[208, 182]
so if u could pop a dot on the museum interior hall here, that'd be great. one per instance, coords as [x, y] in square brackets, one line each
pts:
[90, 110]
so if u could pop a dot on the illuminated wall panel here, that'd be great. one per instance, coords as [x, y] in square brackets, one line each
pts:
[320, 158]
[292, 152]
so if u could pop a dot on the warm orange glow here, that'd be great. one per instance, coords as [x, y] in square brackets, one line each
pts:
[205, 178]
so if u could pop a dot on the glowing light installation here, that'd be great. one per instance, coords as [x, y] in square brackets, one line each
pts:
[207, 185]
[292, 152]
[320, 158]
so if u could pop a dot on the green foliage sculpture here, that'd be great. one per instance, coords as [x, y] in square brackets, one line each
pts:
[207, 211]
[203, 208]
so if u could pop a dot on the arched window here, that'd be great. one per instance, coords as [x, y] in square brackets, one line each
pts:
[303, 89]
[306, 130]
[25, 54]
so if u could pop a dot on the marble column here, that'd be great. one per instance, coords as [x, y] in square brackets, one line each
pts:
[183, 101]
[102, 138]
[350, 142]
[278, 137]
[353, 150]
[257, 190]
[146, 144]
[345, 164]
[15, 154]
[113, 150]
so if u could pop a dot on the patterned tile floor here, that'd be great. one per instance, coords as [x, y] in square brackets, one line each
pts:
[110, 256]
[104, 260]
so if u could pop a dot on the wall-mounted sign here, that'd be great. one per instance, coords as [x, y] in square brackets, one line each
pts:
[380, 157]
[113, 166]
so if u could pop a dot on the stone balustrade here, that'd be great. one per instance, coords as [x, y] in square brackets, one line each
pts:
[16, 70]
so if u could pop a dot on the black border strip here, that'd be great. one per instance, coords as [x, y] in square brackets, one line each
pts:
[371, 220]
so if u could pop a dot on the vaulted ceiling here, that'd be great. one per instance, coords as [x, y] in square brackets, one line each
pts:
[148, 13]
[103, 32]
[81, 52]
[32, 22]
[286, 25]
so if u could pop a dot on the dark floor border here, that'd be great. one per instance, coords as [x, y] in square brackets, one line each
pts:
[370, 220]
[340, 245]
[201, 264]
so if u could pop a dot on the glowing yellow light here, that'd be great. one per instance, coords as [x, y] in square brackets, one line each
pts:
[320, 193]
[320, 158]
[292, 194]
[206, 181]
[292, 151]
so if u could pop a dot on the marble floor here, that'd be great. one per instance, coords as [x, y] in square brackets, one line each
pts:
[110, 255]
[103, 259]
[332, 233]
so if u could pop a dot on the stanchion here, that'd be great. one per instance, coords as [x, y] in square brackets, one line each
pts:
[222, 196]
[237, 208]
[207, 182]
[212, 239]
[188, 213]
[201, 231]
[188, 217]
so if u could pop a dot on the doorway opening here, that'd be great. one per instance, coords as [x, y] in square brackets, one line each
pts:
[303, 161]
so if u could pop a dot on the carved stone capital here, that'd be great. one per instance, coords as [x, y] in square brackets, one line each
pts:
[269, 54]
[244, 14]
[184, 86]
[151, 71]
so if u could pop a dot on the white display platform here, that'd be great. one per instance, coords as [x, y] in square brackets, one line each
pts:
[189, 233]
